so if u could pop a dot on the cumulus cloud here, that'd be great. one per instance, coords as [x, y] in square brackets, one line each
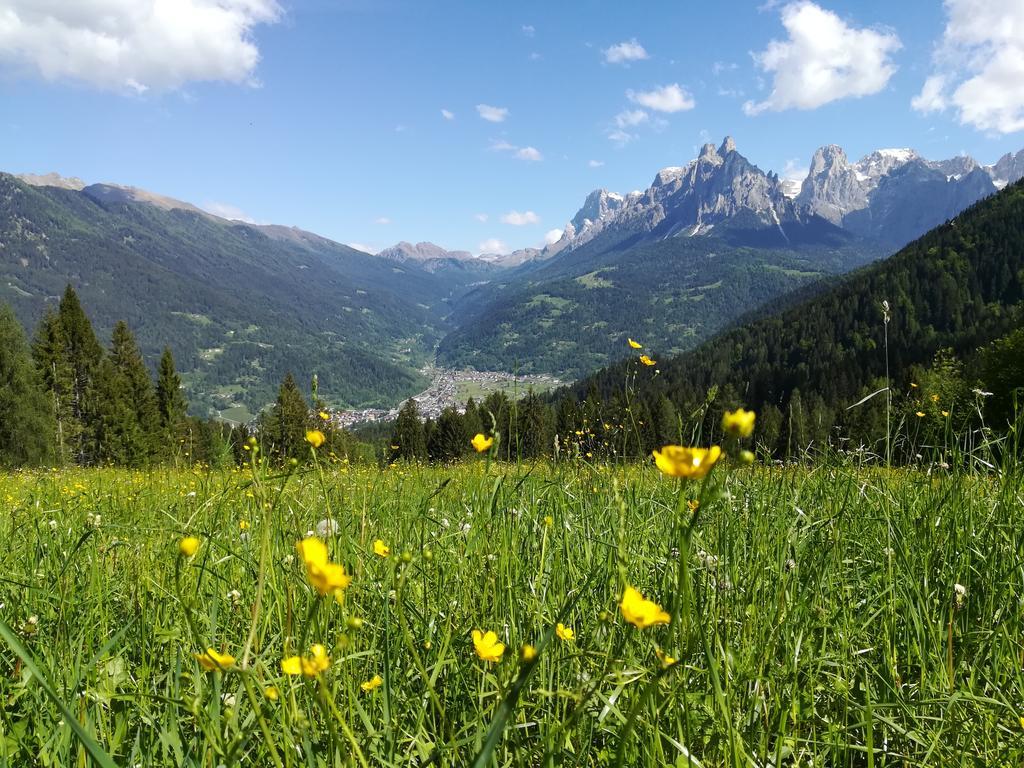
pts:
[531, 154]
[492, 245]
[228, 211]
[529, 30]
[624, 52]
[447, 114]
[552, 236]
[492, 114]
[481, 217]
[630, 117]
[134, 45]
[517, 219]
[382, 220]
[595, 163]
[665, 98]
[620, 136]
[979, 66]
[822, 60]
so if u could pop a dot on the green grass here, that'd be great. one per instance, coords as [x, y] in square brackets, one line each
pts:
[820, 625]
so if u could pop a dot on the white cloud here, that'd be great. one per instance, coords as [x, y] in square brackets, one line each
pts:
[620, 136]
[627, 51]
[823, 59]
[531, 154]
[630, 117]
[552, 236]
[228, 211]
[481, 217]
[595, 163]
[979, 66]
[492, 245]
[517, 219]
[666, 98]
[382, 220]
[492, 114]
[134, 45]
[529, 30]
[447, 114]
[723, 66]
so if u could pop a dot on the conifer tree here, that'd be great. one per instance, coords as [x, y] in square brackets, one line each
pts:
[472, 420]
[450, 439]
[26, 423]
[288, 421]
[170, 402]
[408, 441]
[125, 354]
[49, 352]
[83, 354]
[113, 426]
[535, 427]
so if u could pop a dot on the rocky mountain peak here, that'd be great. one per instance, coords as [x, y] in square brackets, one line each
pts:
[728, 145]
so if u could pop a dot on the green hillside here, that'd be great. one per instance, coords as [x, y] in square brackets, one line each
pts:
[239, 305]
[573, 314]
[959, 288]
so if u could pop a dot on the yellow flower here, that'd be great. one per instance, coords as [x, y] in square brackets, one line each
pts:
[315, 438]
[487, 646]
[325, 415]
[935, 398]
[738, 423]
[664, 658]
[690, 463]
[325, 576]
[565, 633]
[693, 505]
[635, 344]
[372, 684]
[549, 520]
[920, 414]
[913, 385]
[243, 525]
[381, 549]
[527, 653]
[945, 414]
[310, 666]
[212, 661]
[640, 612]
[188, 546]
[481, 443]
[271, 693]
[647, 361]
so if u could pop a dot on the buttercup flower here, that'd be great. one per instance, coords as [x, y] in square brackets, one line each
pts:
[212, 661]
[326, 577]
[315, 438]
[372, 684]
[487, 646]
[310, 666]
[690, 463]
[481, 443]
[381, 549]
[565, 633]
[527, 653]
[635, 344]
[738, 423]
[664, 658]
[188, 546]
[647, 361]
[640, 612]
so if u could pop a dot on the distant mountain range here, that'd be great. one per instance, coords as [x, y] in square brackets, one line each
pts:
[240, 304]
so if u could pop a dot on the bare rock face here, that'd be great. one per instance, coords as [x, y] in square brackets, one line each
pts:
[1008, 169]
[832, 187]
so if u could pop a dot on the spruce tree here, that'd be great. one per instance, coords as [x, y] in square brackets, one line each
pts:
[49, 352]
[535, 423]
[83, 354]
[449, 440]
[408, 441]
[125, 354]
[26, 423]
[288, 421]
[113, 426]
[170, 402]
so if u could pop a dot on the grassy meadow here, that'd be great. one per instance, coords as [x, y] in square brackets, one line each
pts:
[829, 615]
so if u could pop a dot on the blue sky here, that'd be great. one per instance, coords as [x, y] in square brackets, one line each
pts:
[328, 114]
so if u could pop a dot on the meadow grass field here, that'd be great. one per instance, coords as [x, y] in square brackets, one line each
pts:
[823, 615]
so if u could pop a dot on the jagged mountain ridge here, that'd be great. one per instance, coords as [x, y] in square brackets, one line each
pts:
[721, 186]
